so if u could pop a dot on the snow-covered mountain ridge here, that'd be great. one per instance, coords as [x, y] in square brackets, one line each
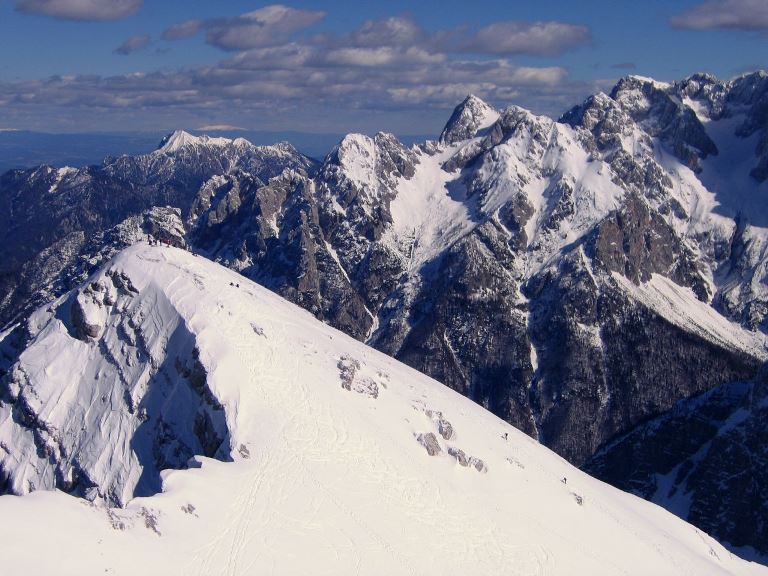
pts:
[344, 461]
[579, 278]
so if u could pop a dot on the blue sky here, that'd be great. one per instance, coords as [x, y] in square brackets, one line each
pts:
[337, 66]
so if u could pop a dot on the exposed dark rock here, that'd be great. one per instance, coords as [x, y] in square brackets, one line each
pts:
[168, 417]
[665, 117]
[706, 460]
[466, 119]
[636, 242]
[607, 363]
[43, 206]
[83, 328]
[457, 335]
[430, 443]
[460, 456]
[464, 460]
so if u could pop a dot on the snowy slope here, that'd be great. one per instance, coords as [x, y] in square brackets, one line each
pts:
[680, 307]
[430, 210]
[538, 163]
[331, 442]
[180, 139]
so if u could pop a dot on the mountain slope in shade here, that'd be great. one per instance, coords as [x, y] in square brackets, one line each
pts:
[344, 460]
[716, 439]
[57, 210]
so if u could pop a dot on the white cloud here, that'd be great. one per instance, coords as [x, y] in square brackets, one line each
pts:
[533, 38]
[267, 26]
[549, 76]
[732, 14]
[393, 31]
[384, 68]
[86, 10]
[220, 128]
[382, 56]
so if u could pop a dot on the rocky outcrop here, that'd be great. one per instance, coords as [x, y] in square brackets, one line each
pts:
[654, 107]
[272, 234]
[467, 118]
[607, 363]
[454, 332]
[49, 211]
[126, 364]
[637, 243]
[68, 262]
[429, 441]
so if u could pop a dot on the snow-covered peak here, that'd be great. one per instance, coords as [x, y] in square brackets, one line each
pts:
[212, 155]
[749, 90]
[469, 117]
[61, 174]
[181, 139]
[659, 85]
[754, 76]
[474, 101]
[363, 464]
[594, 110]
[355, 155]
[637, 93]
[704, 94]
[370, 164]
[515, 115]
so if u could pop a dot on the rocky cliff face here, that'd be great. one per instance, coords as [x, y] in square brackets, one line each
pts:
[705, 460]
[55, 210]
[140, 404]
[579, 278]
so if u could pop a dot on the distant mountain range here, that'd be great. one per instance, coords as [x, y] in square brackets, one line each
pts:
[24, 149]
[598, 281]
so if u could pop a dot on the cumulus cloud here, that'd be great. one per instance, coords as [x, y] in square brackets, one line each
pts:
[84, 10]
[533, 38]
[386, 71]
[381, 56]
[749, 15]
[266, 26]
[392, 31]
[381, 41]
[307, 75]
[313, 96]
[133, 44]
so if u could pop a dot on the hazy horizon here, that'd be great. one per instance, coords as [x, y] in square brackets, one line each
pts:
[21, 149]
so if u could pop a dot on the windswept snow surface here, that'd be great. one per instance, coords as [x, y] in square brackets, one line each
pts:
[332, 472]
